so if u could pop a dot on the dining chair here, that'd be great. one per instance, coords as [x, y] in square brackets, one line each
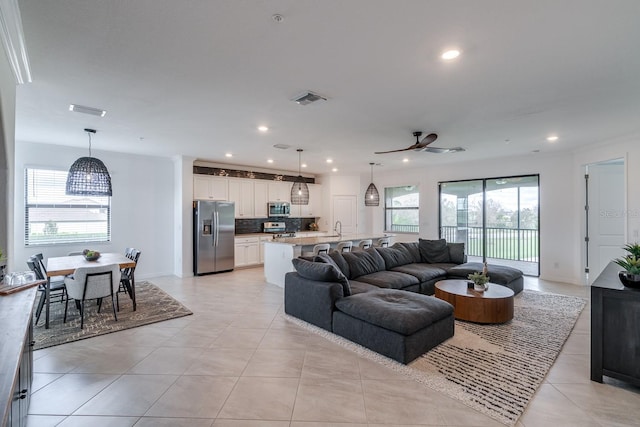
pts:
[57, 290]
[344, 246]
[322, 248]
[365, 244]
[382, 242]
[93, 283]
[127, 274]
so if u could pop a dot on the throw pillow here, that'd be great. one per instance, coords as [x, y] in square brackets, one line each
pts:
[322, 272]
[456, 253]
[433, 251]
[364, 262]
[395, 256]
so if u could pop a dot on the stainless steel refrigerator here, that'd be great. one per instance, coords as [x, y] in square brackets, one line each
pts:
[213, 239]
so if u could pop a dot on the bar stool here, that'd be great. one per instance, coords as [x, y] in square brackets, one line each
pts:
[382, 242]
[344, 246]
[322, 248]
[365, 244]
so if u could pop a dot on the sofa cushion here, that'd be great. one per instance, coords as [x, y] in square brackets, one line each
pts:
[399, 311]
[395, 256]
[322, 272]
[421, 271]
[456, 253]
[497, 273]
[412, 249]
[389, 279]
[361, 287]
[432, 251]
[364, 262]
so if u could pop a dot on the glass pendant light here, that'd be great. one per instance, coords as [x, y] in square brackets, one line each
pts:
[88, 176]
[299, 189]
[371, 196]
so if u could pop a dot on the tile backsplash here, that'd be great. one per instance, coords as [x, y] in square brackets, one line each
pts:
[248, 226]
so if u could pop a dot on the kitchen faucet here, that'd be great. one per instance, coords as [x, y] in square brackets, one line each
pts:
[335, 228]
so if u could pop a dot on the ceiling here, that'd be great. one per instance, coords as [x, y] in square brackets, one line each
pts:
[197, 77]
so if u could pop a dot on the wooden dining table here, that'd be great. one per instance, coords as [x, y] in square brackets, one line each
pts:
[65, 265]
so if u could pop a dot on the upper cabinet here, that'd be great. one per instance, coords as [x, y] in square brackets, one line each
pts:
[314, 208]
[207, 187]
[280, 191]
[249, 196]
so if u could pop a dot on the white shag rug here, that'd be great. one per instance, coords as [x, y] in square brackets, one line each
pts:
[495, 369]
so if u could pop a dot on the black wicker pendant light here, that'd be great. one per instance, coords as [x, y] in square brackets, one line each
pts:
[371, 196]
[299, 189]
[88, 176]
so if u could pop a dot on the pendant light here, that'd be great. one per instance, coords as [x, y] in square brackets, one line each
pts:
[88, 176]
[299, 189]
[371, 196]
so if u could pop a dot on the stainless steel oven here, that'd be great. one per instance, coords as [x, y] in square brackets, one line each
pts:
[282, 209]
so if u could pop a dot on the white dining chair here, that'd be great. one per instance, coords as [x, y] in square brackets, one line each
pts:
[90, 283]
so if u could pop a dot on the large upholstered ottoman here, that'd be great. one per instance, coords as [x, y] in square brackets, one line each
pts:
[505, 276]
[398, 324]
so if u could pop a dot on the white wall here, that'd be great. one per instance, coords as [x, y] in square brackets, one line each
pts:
[142, 204]
[7, 127]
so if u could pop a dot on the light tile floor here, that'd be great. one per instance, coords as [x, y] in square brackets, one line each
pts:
[237, 363]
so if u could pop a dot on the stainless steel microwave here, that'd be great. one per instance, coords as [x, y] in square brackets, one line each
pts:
[279, 208]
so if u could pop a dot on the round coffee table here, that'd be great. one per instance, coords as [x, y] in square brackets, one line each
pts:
[495, 305]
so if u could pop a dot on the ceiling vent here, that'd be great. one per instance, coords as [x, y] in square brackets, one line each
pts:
[87, 110]
[281, 146]
[308, 97]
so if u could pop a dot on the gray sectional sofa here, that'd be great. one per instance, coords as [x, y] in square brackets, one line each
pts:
[362, 295]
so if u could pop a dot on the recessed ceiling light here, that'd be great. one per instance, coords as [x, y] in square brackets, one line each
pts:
[269, 160]
[405, 160]
[329, 160]
[228, 155]
[552, 138]
[263, 128]
[450, 54]
[304, 165]
[334, 170]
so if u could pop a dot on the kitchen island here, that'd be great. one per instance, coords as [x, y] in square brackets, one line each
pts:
[278, 253]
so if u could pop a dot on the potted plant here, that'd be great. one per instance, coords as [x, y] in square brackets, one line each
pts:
[631, 263]
[3, 264]
[480, 280]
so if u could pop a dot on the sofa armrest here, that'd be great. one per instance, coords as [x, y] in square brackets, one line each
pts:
[310, 300]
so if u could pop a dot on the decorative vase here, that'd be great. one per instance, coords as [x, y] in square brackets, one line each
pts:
[478, 287]
[629, 280]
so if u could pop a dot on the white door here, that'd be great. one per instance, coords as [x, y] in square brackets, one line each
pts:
[345, 210]
[606, 215]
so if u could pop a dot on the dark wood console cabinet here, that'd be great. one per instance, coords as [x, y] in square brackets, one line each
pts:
[16, 357]
[615, 328]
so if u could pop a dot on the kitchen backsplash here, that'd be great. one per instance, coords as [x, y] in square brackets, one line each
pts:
[248, 226]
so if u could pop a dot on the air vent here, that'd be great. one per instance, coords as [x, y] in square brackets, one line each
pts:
[308, 97]
[282, 146]
[87, 110]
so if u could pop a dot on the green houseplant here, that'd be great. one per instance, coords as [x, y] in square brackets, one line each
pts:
[631, 264]
[480, 280]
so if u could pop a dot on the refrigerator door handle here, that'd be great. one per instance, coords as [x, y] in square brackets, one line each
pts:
[217, 225]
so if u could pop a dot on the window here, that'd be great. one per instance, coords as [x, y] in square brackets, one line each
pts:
[402, 209]
[52, 217]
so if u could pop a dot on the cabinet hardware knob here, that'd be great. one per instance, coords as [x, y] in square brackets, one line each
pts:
[23, 391]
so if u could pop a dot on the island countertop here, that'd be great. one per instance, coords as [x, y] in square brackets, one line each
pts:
[335, 238]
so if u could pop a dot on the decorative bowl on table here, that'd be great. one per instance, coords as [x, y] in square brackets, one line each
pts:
[91, 255]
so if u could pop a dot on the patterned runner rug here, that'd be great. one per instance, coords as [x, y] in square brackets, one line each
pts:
[495, 369]
[153, 305]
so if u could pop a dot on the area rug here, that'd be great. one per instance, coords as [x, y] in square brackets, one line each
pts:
[495, 369]
[153, 305]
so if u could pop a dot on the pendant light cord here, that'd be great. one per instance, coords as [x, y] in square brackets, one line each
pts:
[89, 133]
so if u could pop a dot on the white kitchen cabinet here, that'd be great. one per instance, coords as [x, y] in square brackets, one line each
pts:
[241, 193]
[207, 187]
[261, 194]
[247, 251]
[280, 191]
[314, 208]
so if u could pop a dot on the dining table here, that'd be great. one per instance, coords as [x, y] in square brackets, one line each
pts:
[66, 265]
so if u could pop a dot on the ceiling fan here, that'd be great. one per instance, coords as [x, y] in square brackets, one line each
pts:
[422, 145]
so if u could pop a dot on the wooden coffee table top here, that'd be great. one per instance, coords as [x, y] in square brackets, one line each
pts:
[495, 305]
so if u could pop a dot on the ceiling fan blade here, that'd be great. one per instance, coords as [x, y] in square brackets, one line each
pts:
[439, 150]
[427, 140]
[395, 151]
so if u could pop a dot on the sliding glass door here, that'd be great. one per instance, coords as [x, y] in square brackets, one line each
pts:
[496, 218]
